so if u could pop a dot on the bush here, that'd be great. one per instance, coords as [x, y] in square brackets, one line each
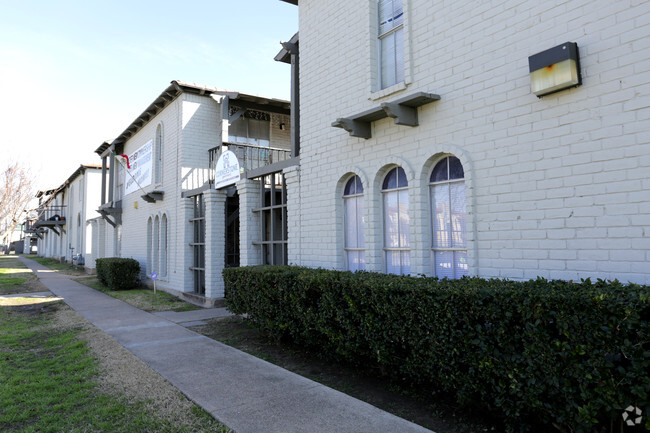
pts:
[118, 273]
[574, 355]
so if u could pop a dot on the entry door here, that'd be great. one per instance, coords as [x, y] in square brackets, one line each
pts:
[232, 231]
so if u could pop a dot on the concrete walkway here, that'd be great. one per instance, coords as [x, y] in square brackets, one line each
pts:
[243, 392]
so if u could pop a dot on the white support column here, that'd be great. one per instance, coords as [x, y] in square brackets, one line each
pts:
[294, 235]
[215, 242]
[249, 222]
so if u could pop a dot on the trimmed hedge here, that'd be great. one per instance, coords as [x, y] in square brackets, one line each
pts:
[118, 273]
[574, 355]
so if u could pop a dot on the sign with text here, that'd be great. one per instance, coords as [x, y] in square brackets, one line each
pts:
[140, 173]
[227, 171]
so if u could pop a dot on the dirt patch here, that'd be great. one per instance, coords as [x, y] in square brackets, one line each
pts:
[424, 407]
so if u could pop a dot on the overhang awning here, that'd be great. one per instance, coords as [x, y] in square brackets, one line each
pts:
[403, 110]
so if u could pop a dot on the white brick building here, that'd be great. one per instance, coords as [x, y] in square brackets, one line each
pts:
[557, 186]
[415, 146]
[162, 208]
[63, 215]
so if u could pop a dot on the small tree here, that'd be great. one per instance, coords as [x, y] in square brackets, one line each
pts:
[16, 190]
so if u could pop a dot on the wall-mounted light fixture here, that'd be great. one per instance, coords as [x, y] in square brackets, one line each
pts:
[283, 126]
[555, 69]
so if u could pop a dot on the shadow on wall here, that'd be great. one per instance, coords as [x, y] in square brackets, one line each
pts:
[200, 133]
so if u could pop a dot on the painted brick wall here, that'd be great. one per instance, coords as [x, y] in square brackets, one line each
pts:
[80, 201]
[190, 128]
[557, 187]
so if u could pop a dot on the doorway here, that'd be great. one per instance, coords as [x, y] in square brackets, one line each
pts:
[232, 230]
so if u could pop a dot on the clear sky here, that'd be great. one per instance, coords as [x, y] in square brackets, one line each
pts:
[74, 74]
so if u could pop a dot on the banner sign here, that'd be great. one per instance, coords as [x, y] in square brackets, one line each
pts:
[227, 171]
[140, 173]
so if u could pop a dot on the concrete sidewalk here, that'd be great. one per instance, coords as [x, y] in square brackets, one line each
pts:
[243, 392]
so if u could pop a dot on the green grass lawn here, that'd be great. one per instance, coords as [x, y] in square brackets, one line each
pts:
[143, 298]
[47, 382]
[15, 277]
[55, 265]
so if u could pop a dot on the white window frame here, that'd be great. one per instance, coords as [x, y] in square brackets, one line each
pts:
[355, 199]
[158, 151]
[401, 248]
[156, 244]
[452, 249]
[164, 245]
[397, 33]
[149, 245]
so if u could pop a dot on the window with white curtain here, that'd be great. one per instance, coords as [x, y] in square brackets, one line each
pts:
[448, 217]
[149, 245]
[163, 246]
[397, 223]
[391, 42]
[355, 243]
[156, 245]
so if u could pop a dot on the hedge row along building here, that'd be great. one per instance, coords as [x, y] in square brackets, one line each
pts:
[506, 139]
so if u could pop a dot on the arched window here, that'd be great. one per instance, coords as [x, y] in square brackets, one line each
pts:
[157, 154]
[396, 222]
[163, 246]
[448, 215]
[355, 243]
[156, 245]
[79, 235]
[149, 245]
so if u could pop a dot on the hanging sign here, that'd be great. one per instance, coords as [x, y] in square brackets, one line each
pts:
[140, 171]
[227, 171]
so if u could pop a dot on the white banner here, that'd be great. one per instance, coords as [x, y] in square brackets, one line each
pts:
[140, 173]
[227, 171]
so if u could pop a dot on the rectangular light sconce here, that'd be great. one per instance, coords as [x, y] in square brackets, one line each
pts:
[555, 69]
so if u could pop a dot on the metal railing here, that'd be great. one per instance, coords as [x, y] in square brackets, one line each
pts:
[250, 156]
[52, 213]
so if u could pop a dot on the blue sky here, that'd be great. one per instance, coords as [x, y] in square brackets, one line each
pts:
[76, 73]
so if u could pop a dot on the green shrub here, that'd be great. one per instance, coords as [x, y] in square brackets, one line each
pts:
[574, 355]
[118, 273]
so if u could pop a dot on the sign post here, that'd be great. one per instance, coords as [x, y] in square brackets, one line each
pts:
[154, 276]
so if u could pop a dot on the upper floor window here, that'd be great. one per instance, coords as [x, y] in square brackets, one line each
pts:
[157, 154]
[391, 42]
[253, 127]
[396, 222]
[448, 216]
[355, 243]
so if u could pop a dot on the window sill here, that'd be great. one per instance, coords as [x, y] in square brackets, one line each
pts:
[388, 91]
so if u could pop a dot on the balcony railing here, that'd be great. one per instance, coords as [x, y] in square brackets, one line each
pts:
[250, 157]
[50, 215]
